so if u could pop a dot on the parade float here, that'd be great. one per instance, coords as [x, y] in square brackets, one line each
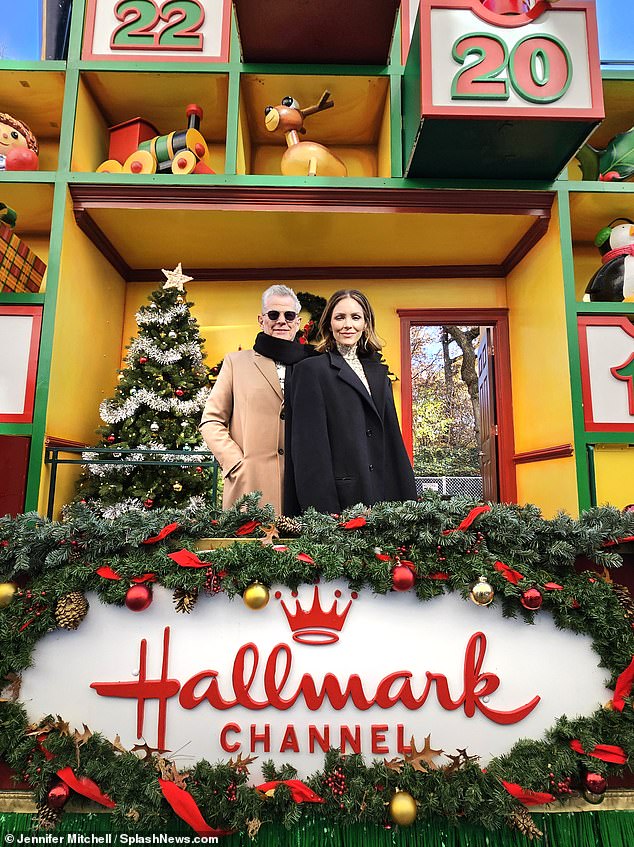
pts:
[443, 672]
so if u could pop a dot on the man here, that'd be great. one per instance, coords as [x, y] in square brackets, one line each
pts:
[243, 421]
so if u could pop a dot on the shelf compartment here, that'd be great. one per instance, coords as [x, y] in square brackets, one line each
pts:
[357, 129]
[108, 98]
[36, 97]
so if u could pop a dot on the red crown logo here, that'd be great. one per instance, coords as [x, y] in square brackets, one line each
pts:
[316, 626]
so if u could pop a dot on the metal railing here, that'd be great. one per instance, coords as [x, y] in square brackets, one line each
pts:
[451, 486]
[118, 458]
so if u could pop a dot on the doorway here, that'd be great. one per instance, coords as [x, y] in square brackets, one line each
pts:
[456, 402]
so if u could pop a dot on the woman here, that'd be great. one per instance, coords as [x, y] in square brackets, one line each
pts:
[346, 445]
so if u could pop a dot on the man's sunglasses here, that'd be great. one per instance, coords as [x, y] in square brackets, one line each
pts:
[273, 315]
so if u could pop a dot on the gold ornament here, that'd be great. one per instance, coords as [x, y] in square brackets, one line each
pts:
[403, 808]
[177, 486]
[482, 593]
[7, 590]
[256, 595]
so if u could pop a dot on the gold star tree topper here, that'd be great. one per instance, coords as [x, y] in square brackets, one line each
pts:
[176, 278]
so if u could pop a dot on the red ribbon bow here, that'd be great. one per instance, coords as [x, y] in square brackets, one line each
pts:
[354, 523]
[508, 573]
[604, 752]
[86, 787]
[466, 523]
[187, 559]
[300, 792]
[527, 797]
[247, 528]
[167, 530]
[187, 809]
[623, 687]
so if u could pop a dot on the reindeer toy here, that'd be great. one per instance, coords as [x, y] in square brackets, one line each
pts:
[302, 158]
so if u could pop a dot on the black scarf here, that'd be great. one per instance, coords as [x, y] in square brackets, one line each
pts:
[280, 350]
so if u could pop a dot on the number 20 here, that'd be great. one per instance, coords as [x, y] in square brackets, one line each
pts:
[539, 68]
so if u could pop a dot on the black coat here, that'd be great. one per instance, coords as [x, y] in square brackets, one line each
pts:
[346, 447]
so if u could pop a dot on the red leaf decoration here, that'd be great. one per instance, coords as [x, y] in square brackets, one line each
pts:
[147, 577]
[354, 523]
[187, 809]
[41, 738]
[300, 792]
[508, 573]
[623, 687]
[86, 787]
[618, 541]
[167, 530]
[304, 557]
[554, 586]
[247, 528]
[466, 523]
[438, 575]
[279, 548]
[383, 557]
[604, 752]
[187, 559]
[107, 573]
[527, 797]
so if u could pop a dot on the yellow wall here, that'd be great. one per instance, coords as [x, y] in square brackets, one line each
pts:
[542, 407]
[91, 139]
[86, 348]
[587, 260]
[614, 469]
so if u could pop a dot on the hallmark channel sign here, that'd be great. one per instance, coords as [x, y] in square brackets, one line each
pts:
[322, 667]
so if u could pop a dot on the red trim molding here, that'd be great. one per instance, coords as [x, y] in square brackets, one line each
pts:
[498, 319]
[562, 451]
[583, 322]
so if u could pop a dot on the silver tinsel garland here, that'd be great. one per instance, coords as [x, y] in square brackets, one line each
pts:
[115, 411]
[143, 453]
[164, 357]
[149, 317]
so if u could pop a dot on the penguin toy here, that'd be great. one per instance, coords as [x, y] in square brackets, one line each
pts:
[614, 281]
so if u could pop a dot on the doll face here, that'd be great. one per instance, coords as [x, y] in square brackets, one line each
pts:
[347, 322]
[10, 138]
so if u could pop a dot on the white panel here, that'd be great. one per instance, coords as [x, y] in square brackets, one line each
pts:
[106, 23]
[448, 25]
[609, 347]
[381, 636]
[15, 344]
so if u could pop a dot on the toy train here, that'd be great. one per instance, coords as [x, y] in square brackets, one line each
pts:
[137, 148]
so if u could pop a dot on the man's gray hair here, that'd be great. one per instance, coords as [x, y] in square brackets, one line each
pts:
[280, 291]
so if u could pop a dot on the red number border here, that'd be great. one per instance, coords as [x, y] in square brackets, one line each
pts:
[595, 112]
[149, 53]
[583, 322]
[35, 312]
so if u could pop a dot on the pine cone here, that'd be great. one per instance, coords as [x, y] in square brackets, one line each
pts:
[185, 600]
[288, 527]
[71, 609]
[522, 820]
[626, 601]
[47, 818]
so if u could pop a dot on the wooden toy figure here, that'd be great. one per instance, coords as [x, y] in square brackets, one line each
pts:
[302, 158]
[18, 145]
[614, 281]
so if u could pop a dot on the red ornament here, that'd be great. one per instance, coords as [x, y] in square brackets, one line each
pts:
[595, 783]
[138, 598]
[199, 469]
[179, 392]
[110, 439]
[402, 578]
[531, 599]
[148, 503]
[142, 360]
[58, 795]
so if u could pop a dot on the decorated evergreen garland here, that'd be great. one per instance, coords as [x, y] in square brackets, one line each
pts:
[431, 547]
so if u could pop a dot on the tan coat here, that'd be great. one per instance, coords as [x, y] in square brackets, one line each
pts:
[243, 426]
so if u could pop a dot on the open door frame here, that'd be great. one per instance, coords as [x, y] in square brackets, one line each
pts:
[498, 319]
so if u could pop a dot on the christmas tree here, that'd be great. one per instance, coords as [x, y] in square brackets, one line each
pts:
[156, 406]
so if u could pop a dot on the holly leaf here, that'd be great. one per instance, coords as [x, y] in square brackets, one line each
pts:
[618, 156]
[423, 760]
